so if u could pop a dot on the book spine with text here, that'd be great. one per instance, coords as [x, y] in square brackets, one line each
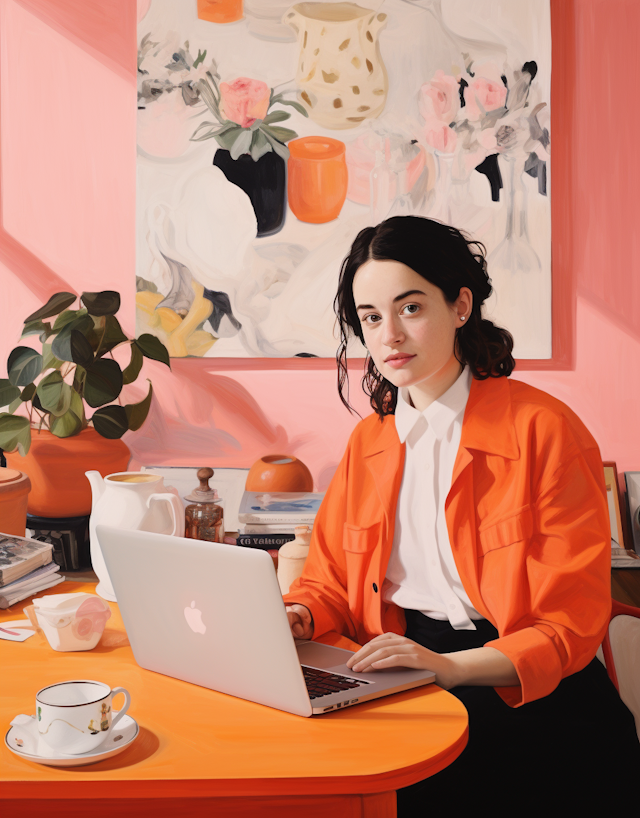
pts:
[266, 542]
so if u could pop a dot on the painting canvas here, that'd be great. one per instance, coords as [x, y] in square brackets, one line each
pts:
[270, 134]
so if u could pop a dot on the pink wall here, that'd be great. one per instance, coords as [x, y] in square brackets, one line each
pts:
[67, 164]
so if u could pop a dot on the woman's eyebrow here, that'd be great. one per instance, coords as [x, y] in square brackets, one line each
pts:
[397, 298]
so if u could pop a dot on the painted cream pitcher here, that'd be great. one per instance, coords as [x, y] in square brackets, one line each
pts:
[131, 500]
[341, 77]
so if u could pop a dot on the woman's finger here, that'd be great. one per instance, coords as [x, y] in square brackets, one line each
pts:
[367, 650]
[369, 661]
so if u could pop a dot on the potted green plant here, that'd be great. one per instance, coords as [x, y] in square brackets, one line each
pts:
[64, 414]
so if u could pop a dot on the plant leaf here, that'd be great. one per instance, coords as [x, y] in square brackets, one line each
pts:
[259, 146]
[15, 432]
[49, 360]
[8, 392]
[67, 317]
[204, 125]
[281, 134]
[24, 366]
[199, 58]
[226, 138]
[278, 147]
[77, 406]
[133, 370]
[110, 336]
[137, 412]
[81, 351]
[276, 116]
[299, 108]
[28, 392]
[241, 144]
[54, 394]
[66, 425]
[106, 302]
[110, 422]
[55, 305]
[103, 383]
[152, 347]
[14, 405]
[61, 345]
[36, 328]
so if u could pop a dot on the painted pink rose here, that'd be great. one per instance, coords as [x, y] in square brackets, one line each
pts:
[244, 100]
[440, 98]
[440, 137]
[483, 95]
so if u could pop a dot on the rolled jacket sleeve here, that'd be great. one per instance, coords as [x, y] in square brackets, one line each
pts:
[322, 588]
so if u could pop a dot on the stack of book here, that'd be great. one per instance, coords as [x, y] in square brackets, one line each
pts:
[26, 567]
[269, 520]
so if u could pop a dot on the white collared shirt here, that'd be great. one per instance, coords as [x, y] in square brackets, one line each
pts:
[422, 574]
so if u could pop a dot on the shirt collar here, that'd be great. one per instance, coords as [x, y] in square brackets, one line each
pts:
[440, 414]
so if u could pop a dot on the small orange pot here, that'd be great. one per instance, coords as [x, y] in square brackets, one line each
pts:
[279, 472]
[220, 11]
[56, 468]
[14, 490]
[317, 178]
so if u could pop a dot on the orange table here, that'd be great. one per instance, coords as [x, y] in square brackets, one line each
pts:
[204, 753]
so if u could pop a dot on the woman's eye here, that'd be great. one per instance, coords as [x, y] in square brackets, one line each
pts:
[371, 319]
[411, 308]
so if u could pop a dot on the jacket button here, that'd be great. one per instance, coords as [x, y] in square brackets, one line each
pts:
[375, 588]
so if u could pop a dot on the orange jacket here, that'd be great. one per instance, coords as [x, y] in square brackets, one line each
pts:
[528, 523]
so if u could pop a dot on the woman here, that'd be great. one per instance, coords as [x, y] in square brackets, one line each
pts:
[466, 528]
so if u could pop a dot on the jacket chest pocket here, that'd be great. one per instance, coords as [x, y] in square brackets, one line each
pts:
[508, 530]
[359, 544]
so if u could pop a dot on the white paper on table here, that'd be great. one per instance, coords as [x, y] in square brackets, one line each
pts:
[22, 629]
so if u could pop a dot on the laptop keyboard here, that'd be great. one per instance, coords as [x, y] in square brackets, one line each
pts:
[322, 683]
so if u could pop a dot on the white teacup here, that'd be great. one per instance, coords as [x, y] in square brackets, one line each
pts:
[75, 717]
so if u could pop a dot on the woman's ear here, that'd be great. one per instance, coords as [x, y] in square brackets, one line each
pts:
[464, 304]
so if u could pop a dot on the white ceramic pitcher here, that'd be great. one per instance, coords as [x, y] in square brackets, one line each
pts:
[131, 500]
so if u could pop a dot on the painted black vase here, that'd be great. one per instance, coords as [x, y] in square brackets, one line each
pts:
[264, 182]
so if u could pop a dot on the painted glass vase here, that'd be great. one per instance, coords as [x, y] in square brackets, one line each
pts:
[263, 181]
[317, 178]
[341, 77]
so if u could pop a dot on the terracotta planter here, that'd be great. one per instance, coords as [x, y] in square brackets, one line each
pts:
[317, 178]
[14, 490]
[56, 468]
[279, 472]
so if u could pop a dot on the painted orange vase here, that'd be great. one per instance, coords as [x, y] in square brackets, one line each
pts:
[56, 468]
[220, 11]
[317, 178]
[279, 472]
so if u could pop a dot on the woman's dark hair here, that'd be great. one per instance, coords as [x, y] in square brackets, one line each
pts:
[446, 258]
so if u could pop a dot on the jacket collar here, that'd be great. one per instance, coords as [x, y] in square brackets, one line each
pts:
[487, 426]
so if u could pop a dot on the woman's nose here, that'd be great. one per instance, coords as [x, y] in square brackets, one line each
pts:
[392, 334]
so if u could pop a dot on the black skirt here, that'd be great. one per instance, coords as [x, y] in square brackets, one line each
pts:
[576, 748]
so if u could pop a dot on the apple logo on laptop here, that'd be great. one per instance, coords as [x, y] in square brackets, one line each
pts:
[194, 618]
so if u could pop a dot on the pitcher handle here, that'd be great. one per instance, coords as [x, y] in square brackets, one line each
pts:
[122, 712]
[177, 512]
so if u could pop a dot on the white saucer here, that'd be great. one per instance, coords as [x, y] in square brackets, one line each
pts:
[125, 734]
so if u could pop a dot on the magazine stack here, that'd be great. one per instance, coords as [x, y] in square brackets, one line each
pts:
[268, 521]
[26, 567]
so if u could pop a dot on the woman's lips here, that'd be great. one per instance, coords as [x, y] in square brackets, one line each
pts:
[399, 361]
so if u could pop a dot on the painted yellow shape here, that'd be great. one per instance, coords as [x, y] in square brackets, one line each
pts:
[147, 303]
[356, 62]
[169, 319]
[199, 343]
[330, 77]
[344, 44]
[200, 310]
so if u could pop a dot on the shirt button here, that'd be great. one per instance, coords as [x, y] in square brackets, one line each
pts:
[375, 588]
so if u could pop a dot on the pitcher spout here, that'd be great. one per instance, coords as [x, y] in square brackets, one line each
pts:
[97, 487]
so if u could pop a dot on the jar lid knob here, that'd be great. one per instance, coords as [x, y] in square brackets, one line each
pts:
[204, 475]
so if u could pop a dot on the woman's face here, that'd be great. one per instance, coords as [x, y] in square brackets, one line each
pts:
[409, 328]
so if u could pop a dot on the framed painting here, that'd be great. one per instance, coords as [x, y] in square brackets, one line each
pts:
[269, 134]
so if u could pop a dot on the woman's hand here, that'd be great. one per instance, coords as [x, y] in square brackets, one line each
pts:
[479, 666]
[300, 621]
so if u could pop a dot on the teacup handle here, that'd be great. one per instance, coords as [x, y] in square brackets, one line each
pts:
[127, 702]
[175, 507]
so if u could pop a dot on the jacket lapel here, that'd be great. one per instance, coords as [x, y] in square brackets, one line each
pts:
[487, 428]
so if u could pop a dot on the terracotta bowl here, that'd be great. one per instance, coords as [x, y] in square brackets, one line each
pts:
[279, 472]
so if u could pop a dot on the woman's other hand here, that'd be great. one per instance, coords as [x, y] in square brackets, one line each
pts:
[479, 666]
[300, 621]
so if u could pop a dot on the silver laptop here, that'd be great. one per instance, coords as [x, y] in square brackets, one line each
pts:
[213, 615]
